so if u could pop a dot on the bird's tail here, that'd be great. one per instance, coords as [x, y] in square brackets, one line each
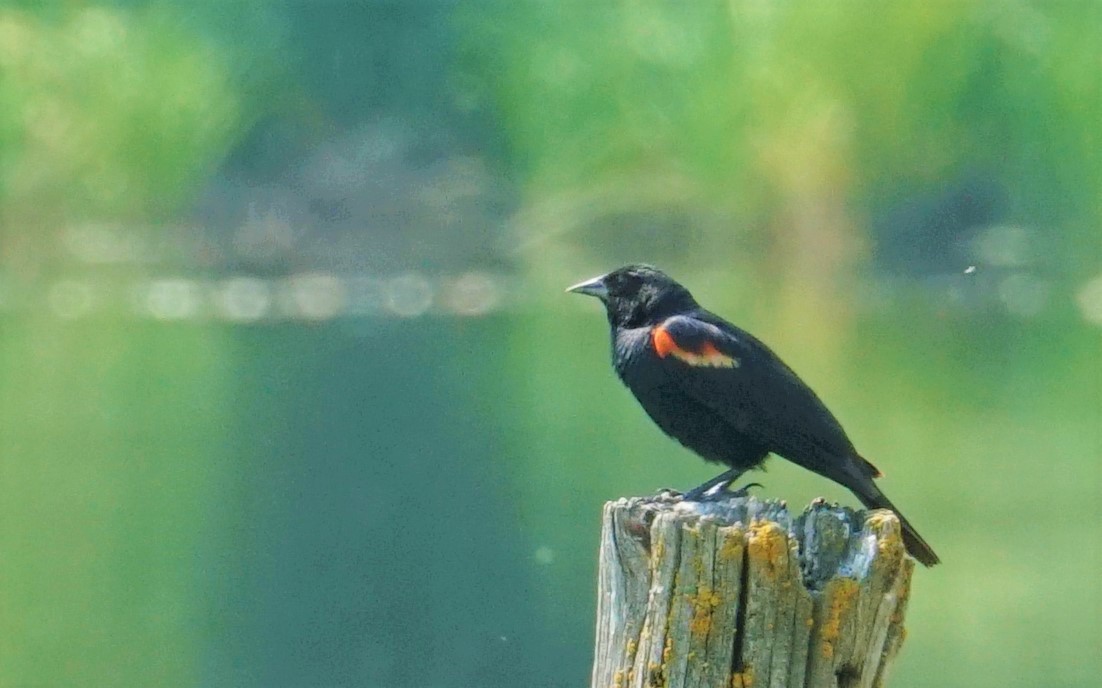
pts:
[916, 546]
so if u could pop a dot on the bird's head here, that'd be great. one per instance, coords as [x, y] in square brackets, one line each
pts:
[637, 295]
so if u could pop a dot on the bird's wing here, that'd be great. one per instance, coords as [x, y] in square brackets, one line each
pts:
[738, 377]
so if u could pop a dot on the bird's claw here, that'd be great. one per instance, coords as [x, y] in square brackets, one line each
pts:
[718, 491]
[744, 491]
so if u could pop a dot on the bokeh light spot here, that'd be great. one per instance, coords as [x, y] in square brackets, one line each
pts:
[473, 294]
[244, 299]
[315, 296]
[409, 295]
[172, 299]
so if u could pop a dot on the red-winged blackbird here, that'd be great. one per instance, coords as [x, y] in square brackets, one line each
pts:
[722, 393]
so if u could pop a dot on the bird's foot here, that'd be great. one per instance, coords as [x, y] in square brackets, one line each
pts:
[718, 489]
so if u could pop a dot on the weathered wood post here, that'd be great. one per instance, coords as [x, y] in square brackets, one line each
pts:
[737, 593]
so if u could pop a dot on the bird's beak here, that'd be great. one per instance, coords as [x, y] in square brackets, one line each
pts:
[594, 287]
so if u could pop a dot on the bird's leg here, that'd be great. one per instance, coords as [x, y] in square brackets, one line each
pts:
[716, 487]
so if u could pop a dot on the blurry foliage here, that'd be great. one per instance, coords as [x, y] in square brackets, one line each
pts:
[762, 108]
[109, 112]
[586, 92]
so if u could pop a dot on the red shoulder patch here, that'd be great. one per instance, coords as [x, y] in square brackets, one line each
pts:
[707, 356]
[663, 342]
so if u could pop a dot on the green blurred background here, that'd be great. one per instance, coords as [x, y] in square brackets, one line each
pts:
[290, 395]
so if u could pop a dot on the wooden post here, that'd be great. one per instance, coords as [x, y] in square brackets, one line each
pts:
[736, 593]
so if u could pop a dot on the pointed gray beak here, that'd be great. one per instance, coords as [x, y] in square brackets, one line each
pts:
[594, 287]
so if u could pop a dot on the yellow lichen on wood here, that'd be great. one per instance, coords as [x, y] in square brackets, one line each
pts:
[768, 545]
[732, 545]
[842, 593]
[889, 533]
[743, 679]
[704, 602]
[880, 517]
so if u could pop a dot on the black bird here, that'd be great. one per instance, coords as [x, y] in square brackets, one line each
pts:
[722, 393]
